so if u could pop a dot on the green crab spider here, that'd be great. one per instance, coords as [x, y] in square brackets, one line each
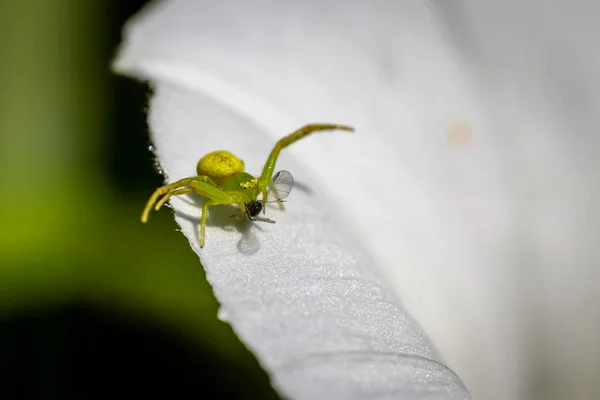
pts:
[222, 180]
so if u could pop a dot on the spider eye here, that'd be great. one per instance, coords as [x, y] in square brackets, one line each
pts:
[255, 208]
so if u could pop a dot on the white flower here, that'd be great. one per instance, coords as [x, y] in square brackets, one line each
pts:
[468, 185]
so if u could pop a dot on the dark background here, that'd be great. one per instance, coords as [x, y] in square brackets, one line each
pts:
[94, 304]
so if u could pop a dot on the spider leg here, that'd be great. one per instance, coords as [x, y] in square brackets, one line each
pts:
[284, 142]
[215, 196]
[202, 185]
[171, 190]
[161, 191]
[265, 194]
[203, 220]
[174, 192]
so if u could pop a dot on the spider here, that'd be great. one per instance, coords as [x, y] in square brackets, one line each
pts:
[222, 180]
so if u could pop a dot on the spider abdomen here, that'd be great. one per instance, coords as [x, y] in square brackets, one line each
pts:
[220, 165]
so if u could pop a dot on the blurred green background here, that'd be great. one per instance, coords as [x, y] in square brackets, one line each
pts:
[89, 296]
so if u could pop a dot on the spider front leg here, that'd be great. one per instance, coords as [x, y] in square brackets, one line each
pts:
[162, 191]
[173, 189]
[284, 142]
[174, 192]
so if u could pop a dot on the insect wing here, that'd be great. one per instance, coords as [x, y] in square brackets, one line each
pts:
[281, 186]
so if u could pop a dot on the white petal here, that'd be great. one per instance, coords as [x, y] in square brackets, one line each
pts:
[303, 293]
[455, 169]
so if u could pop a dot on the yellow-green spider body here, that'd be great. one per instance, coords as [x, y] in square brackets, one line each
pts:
[222, 180]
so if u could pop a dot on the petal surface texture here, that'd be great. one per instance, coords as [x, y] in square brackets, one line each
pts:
[465, 192]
